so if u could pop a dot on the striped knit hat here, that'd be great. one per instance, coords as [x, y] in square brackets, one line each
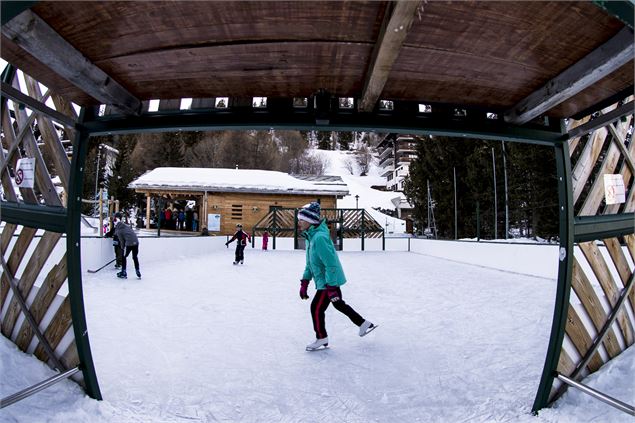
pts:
[310, 213]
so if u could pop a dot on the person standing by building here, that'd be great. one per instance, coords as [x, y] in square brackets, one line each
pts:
[129, 243]
[323, 266]
[241, 238]
[265, 240]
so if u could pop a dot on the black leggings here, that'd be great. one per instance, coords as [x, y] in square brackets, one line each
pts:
[240, 252]
[319, 305]
[135, 251]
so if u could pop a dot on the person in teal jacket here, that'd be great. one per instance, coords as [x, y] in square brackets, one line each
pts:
[323, 266]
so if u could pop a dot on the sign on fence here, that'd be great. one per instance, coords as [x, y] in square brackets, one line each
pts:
[24, 173]
[614, 191]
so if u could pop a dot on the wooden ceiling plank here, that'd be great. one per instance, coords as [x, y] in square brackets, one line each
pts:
[391, 38]
[598, 64]
[37, 38]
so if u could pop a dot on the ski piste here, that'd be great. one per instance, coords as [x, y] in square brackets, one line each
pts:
[97, 270]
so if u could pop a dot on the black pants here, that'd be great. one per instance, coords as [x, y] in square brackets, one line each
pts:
[135, 252]
[319, 305]
[240, 252]
[118, 255]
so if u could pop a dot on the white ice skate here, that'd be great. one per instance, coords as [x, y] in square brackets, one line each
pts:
[319, 344]
[366, 328]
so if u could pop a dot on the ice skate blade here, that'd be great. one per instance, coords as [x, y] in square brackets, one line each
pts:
[370, 329]
[321, 347]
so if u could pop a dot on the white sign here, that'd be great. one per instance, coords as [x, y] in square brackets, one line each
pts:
[24, 173]
[213, 222]
[614, 191]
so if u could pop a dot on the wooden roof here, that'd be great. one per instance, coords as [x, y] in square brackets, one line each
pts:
[488, 54]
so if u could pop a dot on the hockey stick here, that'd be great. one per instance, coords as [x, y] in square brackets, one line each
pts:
[97, 270]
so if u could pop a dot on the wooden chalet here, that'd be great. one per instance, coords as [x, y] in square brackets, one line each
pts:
[226, 197]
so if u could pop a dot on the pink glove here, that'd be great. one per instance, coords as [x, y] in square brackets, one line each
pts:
[304, 285]
[333, 293]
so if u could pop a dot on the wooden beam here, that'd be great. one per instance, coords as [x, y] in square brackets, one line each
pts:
[601, 62]
[394, 30]
[37, 38]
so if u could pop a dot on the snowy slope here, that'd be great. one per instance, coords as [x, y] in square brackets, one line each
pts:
[361, 185]
[201, 340]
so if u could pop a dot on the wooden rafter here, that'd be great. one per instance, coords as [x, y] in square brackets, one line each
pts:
[37, 38]
[393, 33]
[600, 63]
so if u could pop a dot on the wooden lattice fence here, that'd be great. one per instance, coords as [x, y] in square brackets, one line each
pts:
[40, 287]
[600, 315]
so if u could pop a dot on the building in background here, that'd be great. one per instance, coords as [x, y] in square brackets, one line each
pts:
[223, 198]
[396, 152]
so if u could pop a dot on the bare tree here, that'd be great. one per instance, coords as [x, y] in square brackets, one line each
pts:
[349, 164]
[364, 158]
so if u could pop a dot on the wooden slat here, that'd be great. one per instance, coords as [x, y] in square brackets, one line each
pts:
[6, 236]
[622, 266]
[172, 104]
[52, 142]
[70, 358]
[566, 366]
[32, 270]
[581, 339]
[596, 194]
[65, 107]
[593, 307]
[42, 177]
[575, 141]
[586, 162]
[630, 244]
[626, 171]
[56, 330]
[42, 301]
[7, 127]
[603, 275]
[202, 103]
[17, 254]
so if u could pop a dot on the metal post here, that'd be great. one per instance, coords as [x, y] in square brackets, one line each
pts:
[622, 406]
[363, 229]
[478, 221]
[101, 214]
[7, 401]
[275, 227]
[495, 199]
[456, 228]
[506, 196]
[563, 290]
[97, 173]
[74, 256]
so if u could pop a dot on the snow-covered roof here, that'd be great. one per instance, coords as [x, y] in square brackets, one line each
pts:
[235, 180]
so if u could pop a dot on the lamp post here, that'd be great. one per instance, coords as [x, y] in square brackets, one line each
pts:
[356, 201]
[97, 178]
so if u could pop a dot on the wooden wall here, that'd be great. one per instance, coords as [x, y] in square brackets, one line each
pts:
[249, 208]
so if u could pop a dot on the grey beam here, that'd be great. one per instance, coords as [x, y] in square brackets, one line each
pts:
[33, 104]
[601, 62]
[37, 38]
[602, 120]
[49, 218]
[393, 33]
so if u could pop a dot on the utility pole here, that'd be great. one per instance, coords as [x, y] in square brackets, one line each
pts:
[495, 202]
[456, 230]
[506, 198]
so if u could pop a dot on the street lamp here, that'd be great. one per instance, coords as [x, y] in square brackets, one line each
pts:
[97, 180]
[356, 201]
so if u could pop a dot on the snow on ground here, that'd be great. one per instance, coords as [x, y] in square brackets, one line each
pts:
[361, 185]
[202, 340]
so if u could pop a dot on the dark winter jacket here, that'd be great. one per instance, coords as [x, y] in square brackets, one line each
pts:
[322, 263]
[126, 235]
[241, 236]
[111, 234]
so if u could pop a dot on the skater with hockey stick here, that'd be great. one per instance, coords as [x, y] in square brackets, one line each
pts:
[241, 238]
[129, 243]
[323, 265]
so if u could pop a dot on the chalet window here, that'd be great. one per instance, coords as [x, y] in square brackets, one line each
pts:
[237, 212]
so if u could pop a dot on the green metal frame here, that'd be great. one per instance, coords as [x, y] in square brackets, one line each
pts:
[565, 267]
[74, 257]
[589, 228]
[622, 10]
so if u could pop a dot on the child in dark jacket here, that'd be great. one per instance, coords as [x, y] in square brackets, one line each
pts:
[241, 238]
